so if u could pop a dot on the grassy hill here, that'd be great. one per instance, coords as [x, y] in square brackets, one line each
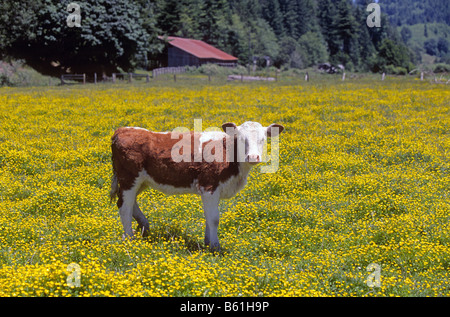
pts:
[419, 36]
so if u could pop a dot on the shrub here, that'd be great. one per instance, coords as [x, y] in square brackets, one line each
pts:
[216, 70]
[13, 74]
[441, 68]
[390, 69]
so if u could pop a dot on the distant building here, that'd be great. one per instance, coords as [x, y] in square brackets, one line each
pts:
[189, 52]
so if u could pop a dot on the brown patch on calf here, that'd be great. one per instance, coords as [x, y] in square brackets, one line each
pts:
[134, 150]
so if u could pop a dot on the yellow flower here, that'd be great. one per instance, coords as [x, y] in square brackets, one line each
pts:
[363, 178]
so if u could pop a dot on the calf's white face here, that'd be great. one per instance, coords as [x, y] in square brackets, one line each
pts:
[251, 137]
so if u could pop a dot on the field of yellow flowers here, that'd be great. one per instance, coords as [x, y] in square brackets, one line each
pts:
[359, 206]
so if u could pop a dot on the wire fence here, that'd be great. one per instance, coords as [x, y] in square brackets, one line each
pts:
[221, 75]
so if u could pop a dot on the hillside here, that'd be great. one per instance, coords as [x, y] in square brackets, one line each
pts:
[424, 25]
[122, 35]
[429, 41]
[412, 12]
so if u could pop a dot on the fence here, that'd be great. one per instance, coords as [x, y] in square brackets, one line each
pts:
[251, 78]
[168, 70]
[73, 77]
[177, 70]
[130, 76]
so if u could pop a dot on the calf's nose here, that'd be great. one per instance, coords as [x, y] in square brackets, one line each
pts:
[254, 158]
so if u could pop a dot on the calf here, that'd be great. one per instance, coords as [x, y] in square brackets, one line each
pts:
[214, 165]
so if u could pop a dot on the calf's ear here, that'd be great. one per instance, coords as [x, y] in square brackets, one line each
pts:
[274, 129]
[229, 127]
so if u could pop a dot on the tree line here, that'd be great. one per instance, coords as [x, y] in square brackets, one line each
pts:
[121, 35]
[409, 12]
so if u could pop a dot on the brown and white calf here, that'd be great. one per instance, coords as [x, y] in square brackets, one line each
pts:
[214, 165]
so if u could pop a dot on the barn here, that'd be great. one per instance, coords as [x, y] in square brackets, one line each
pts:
[189, 52]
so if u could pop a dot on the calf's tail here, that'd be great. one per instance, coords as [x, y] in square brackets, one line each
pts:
[114, 192]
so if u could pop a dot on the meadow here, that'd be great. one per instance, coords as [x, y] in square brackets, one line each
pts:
[363, 181]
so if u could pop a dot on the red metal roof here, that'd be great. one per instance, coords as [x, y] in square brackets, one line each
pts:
[199, 48]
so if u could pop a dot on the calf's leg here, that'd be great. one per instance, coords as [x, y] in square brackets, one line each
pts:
[127, 200]
[211, 209]
[144, 227]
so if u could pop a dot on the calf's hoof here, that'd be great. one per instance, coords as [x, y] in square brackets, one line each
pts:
[143, 231]
[214, 247]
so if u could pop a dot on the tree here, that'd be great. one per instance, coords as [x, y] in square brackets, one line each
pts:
[346, 24]
[299, 17]
[190, 13]
[345, 27]
[238, 39]
[123, 34]
[312, 48]
[393, 54]
[169, 16]
[154, 45]
[215, 18]
[271, 12]
[263, 40]
[442, 46]
[362, 47]
[17, 25]
[328, 25]
[406, 34]
[110, 38]
[431, 47]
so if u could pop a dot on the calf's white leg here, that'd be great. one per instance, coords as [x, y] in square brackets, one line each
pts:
[126, 211]
[211, 209]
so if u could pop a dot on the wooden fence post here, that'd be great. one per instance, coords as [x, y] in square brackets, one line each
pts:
[62, 79]
[84, 79]
[147, 78]
[113, 77]
[95, 78]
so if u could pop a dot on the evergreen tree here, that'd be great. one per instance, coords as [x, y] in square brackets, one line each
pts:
[364, 46]
[442, 46]
[346, 25]
[154, 46]
[328, 25]
[271, 12]
[431, 47]
[214, 19]
[190, 13]
[406, 34]
[238, 39]
[169, 16]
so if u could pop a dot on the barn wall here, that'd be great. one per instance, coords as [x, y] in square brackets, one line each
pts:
[179, 57]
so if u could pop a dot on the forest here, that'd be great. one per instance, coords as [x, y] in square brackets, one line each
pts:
[123, 34]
